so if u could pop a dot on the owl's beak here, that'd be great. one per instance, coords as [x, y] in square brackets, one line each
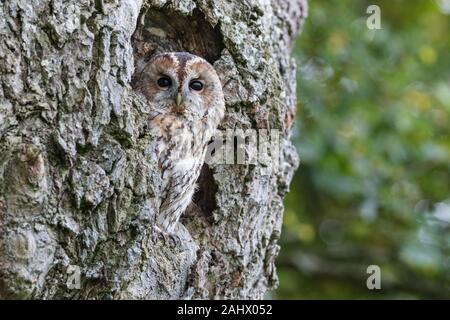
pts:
[178, 99]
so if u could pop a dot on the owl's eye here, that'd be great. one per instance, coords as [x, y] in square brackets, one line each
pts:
[164, 82]
[196, 85]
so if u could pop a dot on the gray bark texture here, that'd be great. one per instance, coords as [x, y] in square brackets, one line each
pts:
[78, 189]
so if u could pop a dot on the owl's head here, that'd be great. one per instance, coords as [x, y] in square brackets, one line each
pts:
[182, 84]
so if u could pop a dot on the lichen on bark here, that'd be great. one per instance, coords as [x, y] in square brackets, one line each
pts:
[78, 186]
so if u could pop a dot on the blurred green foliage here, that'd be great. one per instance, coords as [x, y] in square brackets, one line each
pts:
[372, 131]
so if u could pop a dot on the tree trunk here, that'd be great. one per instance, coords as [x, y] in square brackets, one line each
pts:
[78, 191]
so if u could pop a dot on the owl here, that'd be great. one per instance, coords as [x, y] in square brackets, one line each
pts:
[187, 103]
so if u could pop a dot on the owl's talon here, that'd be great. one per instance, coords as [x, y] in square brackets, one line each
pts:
[175, 239]
[168, 237]
[155, 234]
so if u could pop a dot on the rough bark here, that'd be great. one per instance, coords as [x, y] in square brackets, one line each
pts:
[77, 187]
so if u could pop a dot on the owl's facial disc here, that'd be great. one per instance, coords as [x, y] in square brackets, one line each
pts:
[180, 83]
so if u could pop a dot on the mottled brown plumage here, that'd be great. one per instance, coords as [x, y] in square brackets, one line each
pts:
[188, 104]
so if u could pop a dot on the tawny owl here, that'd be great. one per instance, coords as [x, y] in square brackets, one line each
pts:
[188, 104]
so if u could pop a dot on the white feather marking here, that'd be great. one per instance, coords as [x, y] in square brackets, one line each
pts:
[184, 165]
